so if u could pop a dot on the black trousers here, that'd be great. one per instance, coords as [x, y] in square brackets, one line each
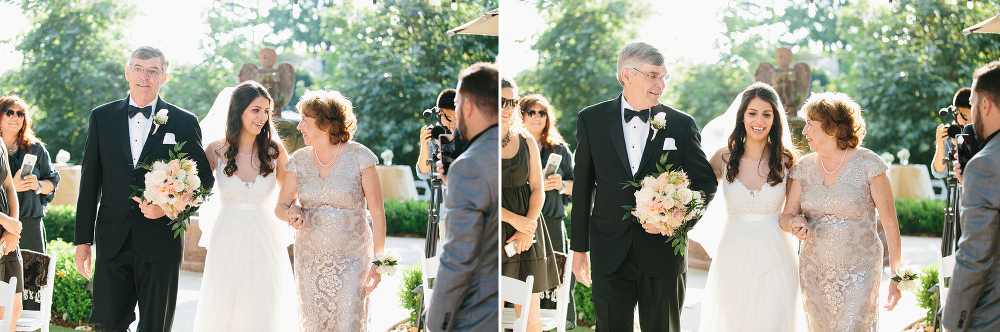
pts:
[125, 280]
[660, 299]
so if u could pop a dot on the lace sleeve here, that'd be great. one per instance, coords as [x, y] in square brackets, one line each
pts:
[293, 160]
[796, 171]
[366, 157]
[873, 164]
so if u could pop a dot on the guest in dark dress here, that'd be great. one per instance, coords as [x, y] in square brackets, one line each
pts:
[540, 121]
[522, 197]
[35, 190]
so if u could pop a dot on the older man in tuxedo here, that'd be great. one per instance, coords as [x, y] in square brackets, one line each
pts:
[632, 263]
[139, 256]
[973, 302]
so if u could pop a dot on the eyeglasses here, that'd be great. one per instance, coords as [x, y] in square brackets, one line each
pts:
[658, 77]
[533, 113]
[505, 102]
[151, 72]
[20, 114]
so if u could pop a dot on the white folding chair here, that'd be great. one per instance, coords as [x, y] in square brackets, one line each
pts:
[422, 184]
[556, 318]
[519, 293]
[429, 272]
[32, 320]
[7, 292]
[946, 267]
[939, 190]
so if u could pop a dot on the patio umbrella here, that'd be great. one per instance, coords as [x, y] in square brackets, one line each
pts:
[991, 25]
[488, 24]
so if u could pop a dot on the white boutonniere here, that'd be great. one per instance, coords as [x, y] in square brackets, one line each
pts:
[659, 121]
[159, 119]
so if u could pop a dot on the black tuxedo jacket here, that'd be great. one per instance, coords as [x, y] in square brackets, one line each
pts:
[602, 165]
[104, 212]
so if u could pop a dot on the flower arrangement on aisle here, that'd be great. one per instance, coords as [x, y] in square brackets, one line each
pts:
[666, 201]
[173, 185]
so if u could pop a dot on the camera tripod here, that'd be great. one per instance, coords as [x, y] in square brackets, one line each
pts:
[952, 229]
[430, 244]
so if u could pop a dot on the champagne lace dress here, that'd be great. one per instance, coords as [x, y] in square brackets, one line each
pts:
[841, 269]
[335, 250]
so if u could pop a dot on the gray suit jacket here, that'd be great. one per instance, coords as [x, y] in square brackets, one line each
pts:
[973, 302]
[466, 289]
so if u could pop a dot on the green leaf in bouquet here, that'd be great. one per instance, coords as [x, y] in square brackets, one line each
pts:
[177, 225]
[663, 158]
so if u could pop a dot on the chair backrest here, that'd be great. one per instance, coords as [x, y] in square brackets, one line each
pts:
[946, 267]
[562, 293]
[939, 190]
[7, 292]
[518, 292]
[425, 194]
[429, 271]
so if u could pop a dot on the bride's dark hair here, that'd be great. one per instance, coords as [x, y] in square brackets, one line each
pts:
[779, 156]
[266, 146]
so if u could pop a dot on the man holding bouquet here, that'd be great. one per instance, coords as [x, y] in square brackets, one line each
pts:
[139, 253]
[622, 141]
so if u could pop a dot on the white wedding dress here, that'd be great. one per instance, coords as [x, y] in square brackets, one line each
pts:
[753, 282]
[247, 284]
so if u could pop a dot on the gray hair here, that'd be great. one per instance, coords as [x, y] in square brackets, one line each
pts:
[635, 54]
[148, 52]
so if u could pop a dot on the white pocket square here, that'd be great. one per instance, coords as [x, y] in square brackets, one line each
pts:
[168, 138]
[668, 144]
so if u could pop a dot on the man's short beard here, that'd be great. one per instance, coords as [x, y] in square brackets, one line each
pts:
[977, 123]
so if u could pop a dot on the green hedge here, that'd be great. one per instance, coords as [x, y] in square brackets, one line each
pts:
[402, 218]
[412, 277]
[925, 299]
[920, 217]
[60, 222]
[406, 217]
[70, 298]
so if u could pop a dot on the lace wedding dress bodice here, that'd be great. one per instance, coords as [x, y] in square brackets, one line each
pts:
[766, 200]
[232, 189]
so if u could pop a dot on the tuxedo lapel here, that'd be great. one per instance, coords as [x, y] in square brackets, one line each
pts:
[655, 144]
[154, 138]
[617, 133]
[120, 120]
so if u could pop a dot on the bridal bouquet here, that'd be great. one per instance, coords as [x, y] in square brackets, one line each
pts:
[665, 201]
[173, 185]
[386, 262]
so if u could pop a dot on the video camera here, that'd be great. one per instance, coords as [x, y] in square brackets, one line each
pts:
[448, 144]
[965, 137]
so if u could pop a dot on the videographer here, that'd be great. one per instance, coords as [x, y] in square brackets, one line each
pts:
[445, 112]
[961, 110]
[973, 303]
[466, 290]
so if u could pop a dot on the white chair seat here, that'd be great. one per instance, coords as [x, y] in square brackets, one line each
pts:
[519, 293]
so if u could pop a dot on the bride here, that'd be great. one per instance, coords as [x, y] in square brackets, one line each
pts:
[247, 284]
[753, 281]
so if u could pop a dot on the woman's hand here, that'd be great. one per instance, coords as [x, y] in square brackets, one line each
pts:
[524, 241]
[894, 295]
[30, 182]
[296, 218]
[372, 278]
[553, 182]
[801, 229]
[524, 225]
[11, 225]
[8, 242]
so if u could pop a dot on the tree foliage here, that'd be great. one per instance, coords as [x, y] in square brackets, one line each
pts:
[73, 61]
[577, 55]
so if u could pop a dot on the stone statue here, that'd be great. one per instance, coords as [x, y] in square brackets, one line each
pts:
[793, 85]
[280, 82]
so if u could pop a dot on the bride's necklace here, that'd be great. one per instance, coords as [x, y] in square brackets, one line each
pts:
[838, 166]
[331, 160]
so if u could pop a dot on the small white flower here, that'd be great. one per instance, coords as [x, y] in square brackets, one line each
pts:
[887, 157]
[903, 153]
[650, 182]
[159, 119]
[380, 256]
[394, 257]
[62, 157]
[645, 195]
[696, 195]
[659, 120]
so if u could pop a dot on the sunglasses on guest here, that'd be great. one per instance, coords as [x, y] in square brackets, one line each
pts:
[505, 102]
[533, 113]
[20, 114]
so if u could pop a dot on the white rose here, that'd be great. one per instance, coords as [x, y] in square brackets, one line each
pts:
[193, 181]
[668, 203]
[380, 256]
[161, 116]
[155, 178]
[660, 117]
[159, 165]
[646, 194]
[380, 269]
[650, 182]
[669, 190]
[395, 257]
[683, 195]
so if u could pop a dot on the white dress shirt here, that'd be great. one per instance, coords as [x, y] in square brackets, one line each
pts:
[636, 135]
[138, 129]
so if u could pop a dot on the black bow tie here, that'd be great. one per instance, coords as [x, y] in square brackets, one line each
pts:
[146, 111]
[630, 113]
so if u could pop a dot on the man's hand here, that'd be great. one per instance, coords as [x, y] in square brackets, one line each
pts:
[957, 167]
[553, 182]
[650, 228]
[425, 136]
[150, 211]
[84, 261]
[581, 267]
